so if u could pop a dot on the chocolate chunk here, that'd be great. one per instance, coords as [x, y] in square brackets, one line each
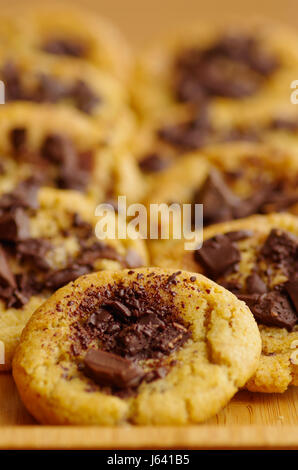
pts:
[34, 250]
[255, 284]
[232, 285]
[60, 278]
[218, 201]
[11, 77]
[98, 250]
[131, 342]
[6, 274]
[280, 248]
[14, 225]
[284, 124]
[133, 323]
[280, 196]
[292, 290]
[217, 255]
[118, 308]
[18, 138]
[148, 324]
[189, 135]
[169, 339]
[23, 196]
[27, 193]
[153, 163]
[108, 369]
[102, 319]
[272, 309]
[65, 46]
[56, 148]
[253, 204]
[85, 99]
[60, 150]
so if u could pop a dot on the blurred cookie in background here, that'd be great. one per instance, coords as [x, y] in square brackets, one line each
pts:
[81, 86]
[67, 32]
[47, 239]
[61, 147]
[234, 66]
[232, 181]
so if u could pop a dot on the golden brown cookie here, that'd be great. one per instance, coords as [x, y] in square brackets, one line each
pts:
[75, 85]
[47, 239]
[145, 346]
[64, 149]
[232, 180]
[63, 31]
[256, 259]
[235, 66]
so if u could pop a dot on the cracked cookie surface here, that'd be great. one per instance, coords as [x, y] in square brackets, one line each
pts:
[199, 344]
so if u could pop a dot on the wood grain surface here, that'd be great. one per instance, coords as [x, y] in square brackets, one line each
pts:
[249, 421]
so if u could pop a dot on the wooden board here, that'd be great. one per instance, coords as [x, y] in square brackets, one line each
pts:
[250, 421]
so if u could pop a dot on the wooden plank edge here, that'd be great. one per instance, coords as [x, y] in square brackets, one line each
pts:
[190, 437]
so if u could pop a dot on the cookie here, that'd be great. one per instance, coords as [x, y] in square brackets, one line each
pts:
[256, 259]
[232, 181]
[234, 66]
[145, 346]
[81, 86]
[59, 31]
[62, 148]
[47, 239]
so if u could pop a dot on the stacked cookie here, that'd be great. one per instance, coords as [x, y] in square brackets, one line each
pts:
[203, 117]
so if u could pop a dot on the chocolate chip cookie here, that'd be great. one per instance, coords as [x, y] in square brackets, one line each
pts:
[232, 181]
[68, 32]
[144, 346]
[64, 149]
[256, 259]
[81, 86]
[232, 66]
[46, 240]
